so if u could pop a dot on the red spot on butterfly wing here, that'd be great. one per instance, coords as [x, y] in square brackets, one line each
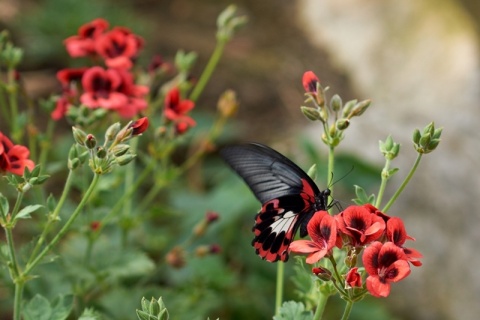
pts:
[274, 230]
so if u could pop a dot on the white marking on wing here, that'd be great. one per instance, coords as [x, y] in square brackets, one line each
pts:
[284, 223]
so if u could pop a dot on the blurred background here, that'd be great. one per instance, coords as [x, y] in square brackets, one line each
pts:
[417, 60]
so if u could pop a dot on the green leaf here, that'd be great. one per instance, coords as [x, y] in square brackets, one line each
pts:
[51, 203]
[362, 197]
[38, 309]
[62, 306]
[25, 212]
[4, 206]
[292, 310]
[90, 314]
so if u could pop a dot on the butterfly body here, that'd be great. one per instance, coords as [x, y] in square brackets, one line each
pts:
[288, 195]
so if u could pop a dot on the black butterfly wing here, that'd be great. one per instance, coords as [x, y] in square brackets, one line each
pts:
[288, 196]
[269, 174]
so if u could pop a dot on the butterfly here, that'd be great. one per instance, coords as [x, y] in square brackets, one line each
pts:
[288, 195]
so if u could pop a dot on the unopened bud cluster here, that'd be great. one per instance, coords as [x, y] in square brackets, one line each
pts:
[335, 115]
[114, 151]
[428, 140]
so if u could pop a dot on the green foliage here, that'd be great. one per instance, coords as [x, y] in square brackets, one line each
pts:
[39, 308]
[292, 310]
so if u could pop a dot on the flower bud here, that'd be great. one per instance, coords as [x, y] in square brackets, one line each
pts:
[176, 257]
[120, 149]
[389, 148]
[342, 124]
[311, 113]
[112, 131]
[228, 104]
[125, 159]
[79, 136]
[336, 103]
[90, 141]
[427, 141]
[359, 108]
[101, 152]
[139, 126]
[347, 108]
[322, 273]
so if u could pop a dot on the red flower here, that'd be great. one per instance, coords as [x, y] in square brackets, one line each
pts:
[61, 108]
[183, 123]
[83, 44]
[310, 81]
[359, 225]
[14, 158]
[134, 93]
[68, 75]
[397, 234]
[118, 47]
[139, 126]
[377, 212]
[353, 279]
[384, 263]
[323, 232]
[101, 89]
[175, 107]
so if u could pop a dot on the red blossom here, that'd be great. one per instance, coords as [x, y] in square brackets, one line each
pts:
[61, 108]
[68, 75]
[397, 234]
[175, 107]
[377, 212]
[384, 263]
[83, 44]
[353, 279]
[322, 229]
[14, 158]
[310, 81]
[119, 47]
[139, 126]
[183, 123]
[359, 225]
[101, 89]
[135, 94]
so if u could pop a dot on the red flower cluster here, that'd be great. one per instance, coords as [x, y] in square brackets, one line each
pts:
[176, 110]
[13, 158]
[111, 88]
[385, 258]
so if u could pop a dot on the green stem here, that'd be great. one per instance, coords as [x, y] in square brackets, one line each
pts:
[45, 143]
[18, 202]
[65, 228]
[331, 167]
[13, 101]
[208, 71]
[53, 217]
[17, 303]
[118, 206]
[279, 289]
[322, 302]
[383, 185]
[14, 268]
[404, 183]
[348, 309]
[4, 104]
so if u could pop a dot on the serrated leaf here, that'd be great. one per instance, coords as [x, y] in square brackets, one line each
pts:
[292, 310]
[90, 314]
[25, 212]
[61, 307]
[37, 309]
